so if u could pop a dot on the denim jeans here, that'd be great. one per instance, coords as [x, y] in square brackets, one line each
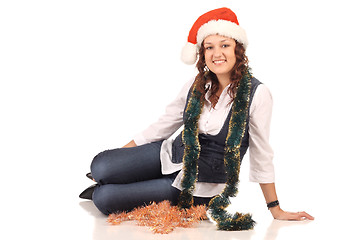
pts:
[131, 177]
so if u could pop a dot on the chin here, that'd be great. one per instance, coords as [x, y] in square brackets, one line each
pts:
[221, 72]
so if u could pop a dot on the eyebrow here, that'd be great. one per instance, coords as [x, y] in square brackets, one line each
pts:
[224, 40]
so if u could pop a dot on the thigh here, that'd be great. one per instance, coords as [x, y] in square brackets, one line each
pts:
[127, 165]
[111, 198]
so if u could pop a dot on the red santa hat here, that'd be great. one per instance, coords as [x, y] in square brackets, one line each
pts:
[220, 21]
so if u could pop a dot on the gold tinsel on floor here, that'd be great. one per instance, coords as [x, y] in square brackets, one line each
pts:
[161, 217]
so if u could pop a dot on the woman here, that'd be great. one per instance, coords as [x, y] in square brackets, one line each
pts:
[224, 111]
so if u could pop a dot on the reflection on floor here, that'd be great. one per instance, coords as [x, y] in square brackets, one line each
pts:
[272, 229]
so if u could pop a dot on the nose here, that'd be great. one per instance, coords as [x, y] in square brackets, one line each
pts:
[217, 52]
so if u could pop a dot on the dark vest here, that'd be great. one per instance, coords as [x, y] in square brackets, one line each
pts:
[211, 167]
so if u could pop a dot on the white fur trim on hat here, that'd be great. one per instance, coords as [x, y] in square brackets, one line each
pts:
[224, 28]
[189, 53]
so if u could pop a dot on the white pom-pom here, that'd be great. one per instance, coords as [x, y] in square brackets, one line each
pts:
[189, 53]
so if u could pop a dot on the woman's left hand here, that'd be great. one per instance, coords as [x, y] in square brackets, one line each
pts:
[279, 214]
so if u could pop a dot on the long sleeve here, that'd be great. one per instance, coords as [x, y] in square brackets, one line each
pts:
[261, 153]
[169, 122]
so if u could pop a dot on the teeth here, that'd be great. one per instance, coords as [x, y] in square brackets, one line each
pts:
[218, 61]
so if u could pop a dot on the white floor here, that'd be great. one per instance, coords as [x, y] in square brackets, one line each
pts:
[330, 223]
[48, 211]
[266, 229]
[327, 224]
[39, 200]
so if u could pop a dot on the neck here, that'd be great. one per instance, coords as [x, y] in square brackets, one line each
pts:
[224, 80]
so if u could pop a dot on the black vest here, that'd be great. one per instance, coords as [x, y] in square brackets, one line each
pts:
[211, 167]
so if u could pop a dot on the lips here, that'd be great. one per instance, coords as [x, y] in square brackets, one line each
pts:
[218, 62]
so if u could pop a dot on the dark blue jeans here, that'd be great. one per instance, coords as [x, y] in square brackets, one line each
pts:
[131, 177]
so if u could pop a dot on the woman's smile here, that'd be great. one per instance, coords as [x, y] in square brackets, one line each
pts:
[219, 62]
[220, 54]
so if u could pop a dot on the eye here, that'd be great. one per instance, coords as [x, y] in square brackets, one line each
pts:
[225, 45]
[209, 48]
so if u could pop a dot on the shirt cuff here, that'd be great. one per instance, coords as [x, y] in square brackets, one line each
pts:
[140, 140]
[262, 178]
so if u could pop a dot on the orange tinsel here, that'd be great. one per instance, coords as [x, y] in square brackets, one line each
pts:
[161, 217]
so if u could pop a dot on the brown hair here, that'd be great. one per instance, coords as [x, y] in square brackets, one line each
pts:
[205, 74]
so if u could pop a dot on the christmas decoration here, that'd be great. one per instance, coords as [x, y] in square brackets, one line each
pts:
[232, 160]
[161, 217]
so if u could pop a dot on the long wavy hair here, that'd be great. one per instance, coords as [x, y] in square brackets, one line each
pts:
[205, 74]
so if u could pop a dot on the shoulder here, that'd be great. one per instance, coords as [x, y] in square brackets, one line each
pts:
[188, 84]
[262, 91]
[262, 98]
[259, 89]
[186, 88]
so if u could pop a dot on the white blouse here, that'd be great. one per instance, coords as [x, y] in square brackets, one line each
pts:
[211, 122]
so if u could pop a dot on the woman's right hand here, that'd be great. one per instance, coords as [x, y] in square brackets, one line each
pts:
[130, 144]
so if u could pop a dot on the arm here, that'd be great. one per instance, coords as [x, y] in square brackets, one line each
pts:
[261, 154]
[168, 123]
[269, 192]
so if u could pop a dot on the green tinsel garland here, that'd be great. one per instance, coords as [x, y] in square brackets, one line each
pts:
[232, 161]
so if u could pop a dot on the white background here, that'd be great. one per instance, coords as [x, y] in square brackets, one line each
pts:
[78, 77]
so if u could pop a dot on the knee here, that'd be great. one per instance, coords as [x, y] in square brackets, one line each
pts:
[98, 166]
[103, 200]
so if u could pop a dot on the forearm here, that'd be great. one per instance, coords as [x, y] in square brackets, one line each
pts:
[269, 191]
[270, 195]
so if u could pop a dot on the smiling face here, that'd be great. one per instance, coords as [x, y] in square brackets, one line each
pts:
[220, 55]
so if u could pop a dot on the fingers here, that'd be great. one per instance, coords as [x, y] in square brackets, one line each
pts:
[302, 216]
[294, 216]
[308, 216]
